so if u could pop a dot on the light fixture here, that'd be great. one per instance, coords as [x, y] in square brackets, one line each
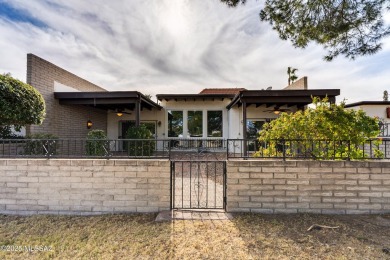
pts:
[276, 112]
[119, 114]
[89, 124]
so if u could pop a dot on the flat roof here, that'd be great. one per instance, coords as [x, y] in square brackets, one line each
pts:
[199, 96]
[300, 98]
[367, 103]
[106, 100]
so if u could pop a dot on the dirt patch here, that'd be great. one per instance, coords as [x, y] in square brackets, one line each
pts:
[247, 236]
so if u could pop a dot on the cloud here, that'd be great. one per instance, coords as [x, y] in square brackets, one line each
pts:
[174, 46]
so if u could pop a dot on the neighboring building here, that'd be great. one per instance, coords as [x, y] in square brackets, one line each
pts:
[379, 109]
[233, 113]
[373, 108]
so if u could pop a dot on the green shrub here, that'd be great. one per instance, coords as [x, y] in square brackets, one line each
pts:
[6, 133]
[139, 147]
[328, 131]
[97, 143]
[41, 144]
[20, 103]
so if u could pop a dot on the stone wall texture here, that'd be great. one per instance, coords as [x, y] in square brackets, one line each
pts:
[327, 187]
[97, 186]
[65, 121]
[63, 186]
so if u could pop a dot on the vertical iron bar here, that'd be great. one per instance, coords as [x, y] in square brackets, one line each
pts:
[198, 169]
[172, 190]
[190, 184]
[207, 184]
[182, 184]
[215, 184]
[224, 185]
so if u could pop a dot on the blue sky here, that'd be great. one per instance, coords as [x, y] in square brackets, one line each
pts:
[174, 46]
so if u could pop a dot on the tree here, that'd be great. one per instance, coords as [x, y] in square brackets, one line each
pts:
[348, 27]
[20, 103]
[326, 131]
[291, 75]
[385, 96]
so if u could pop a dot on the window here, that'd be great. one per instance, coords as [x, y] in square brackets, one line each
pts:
[253, 127]
[195, 123]
[214, 123]
[175, 123]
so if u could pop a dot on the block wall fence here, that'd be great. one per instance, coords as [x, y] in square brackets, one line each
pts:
[98, 186]
[326, 187]
[56, 186]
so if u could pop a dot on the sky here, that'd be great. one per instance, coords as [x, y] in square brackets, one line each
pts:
[175, 46]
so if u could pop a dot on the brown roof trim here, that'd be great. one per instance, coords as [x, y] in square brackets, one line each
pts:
[176, 97]
[367, 103]
[301, 96]
[114, 97]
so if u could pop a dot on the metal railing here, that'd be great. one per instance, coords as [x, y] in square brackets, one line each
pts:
[170, 148]
[308, 149]
[384, 130]
[103, 148]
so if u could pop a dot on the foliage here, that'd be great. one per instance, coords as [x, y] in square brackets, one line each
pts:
[41, 144]
[142, 147]
[324, 132]
[350, 27]
[385, 96]
[6, 133]
[291, 75]
[20, 103]
[97, 143]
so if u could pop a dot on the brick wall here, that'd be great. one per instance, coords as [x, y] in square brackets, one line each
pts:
[299, 84]
[65, 121]
[66, 186]
[328, 187]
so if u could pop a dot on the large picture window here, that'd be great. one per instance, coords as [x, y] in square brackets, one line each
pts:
[175, 123]
[214, 124]
[195, 123]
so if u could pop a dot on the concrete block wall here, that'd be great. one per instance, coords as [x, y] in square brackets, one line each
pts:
[65, 121]
[64, 186]
[327, 187]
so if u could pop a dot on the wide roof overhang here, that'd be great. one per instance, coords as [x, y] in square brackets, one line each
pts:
[194, 97]
[115, 100]
[289, 98]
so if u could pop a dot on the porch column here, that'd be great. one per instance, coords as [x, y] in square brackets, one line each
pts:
[137, 112]
[244, 127]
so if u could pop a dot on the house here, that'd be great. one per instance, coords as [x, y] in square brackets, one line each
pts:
[379, 109]
[74, 106]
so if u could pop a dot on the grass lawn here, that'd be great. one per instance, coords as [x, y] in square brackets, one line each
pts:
[247, 236]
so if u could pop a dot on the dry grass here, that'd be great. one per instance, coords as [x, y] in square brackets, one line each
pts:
[248, 236]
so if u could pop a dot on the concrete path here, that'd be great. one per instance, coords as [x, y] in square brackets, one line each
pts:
[193, 215]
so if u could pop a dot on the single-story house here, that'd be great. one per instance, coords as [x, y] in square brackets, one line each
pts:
[74, 106]
[379, 109]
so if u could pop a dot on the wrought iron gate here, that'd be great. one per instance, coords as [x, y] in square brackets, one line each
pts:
[198, 184]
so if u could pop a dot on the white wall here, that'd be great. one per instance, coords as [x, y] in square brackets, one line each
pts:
[374, 111]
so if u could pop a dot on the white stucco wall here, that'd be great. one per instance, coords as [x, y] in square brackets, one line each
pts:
[374, 111]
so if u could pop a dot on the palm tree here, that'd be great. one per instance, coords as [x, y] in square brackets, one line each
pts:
[291, 75]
